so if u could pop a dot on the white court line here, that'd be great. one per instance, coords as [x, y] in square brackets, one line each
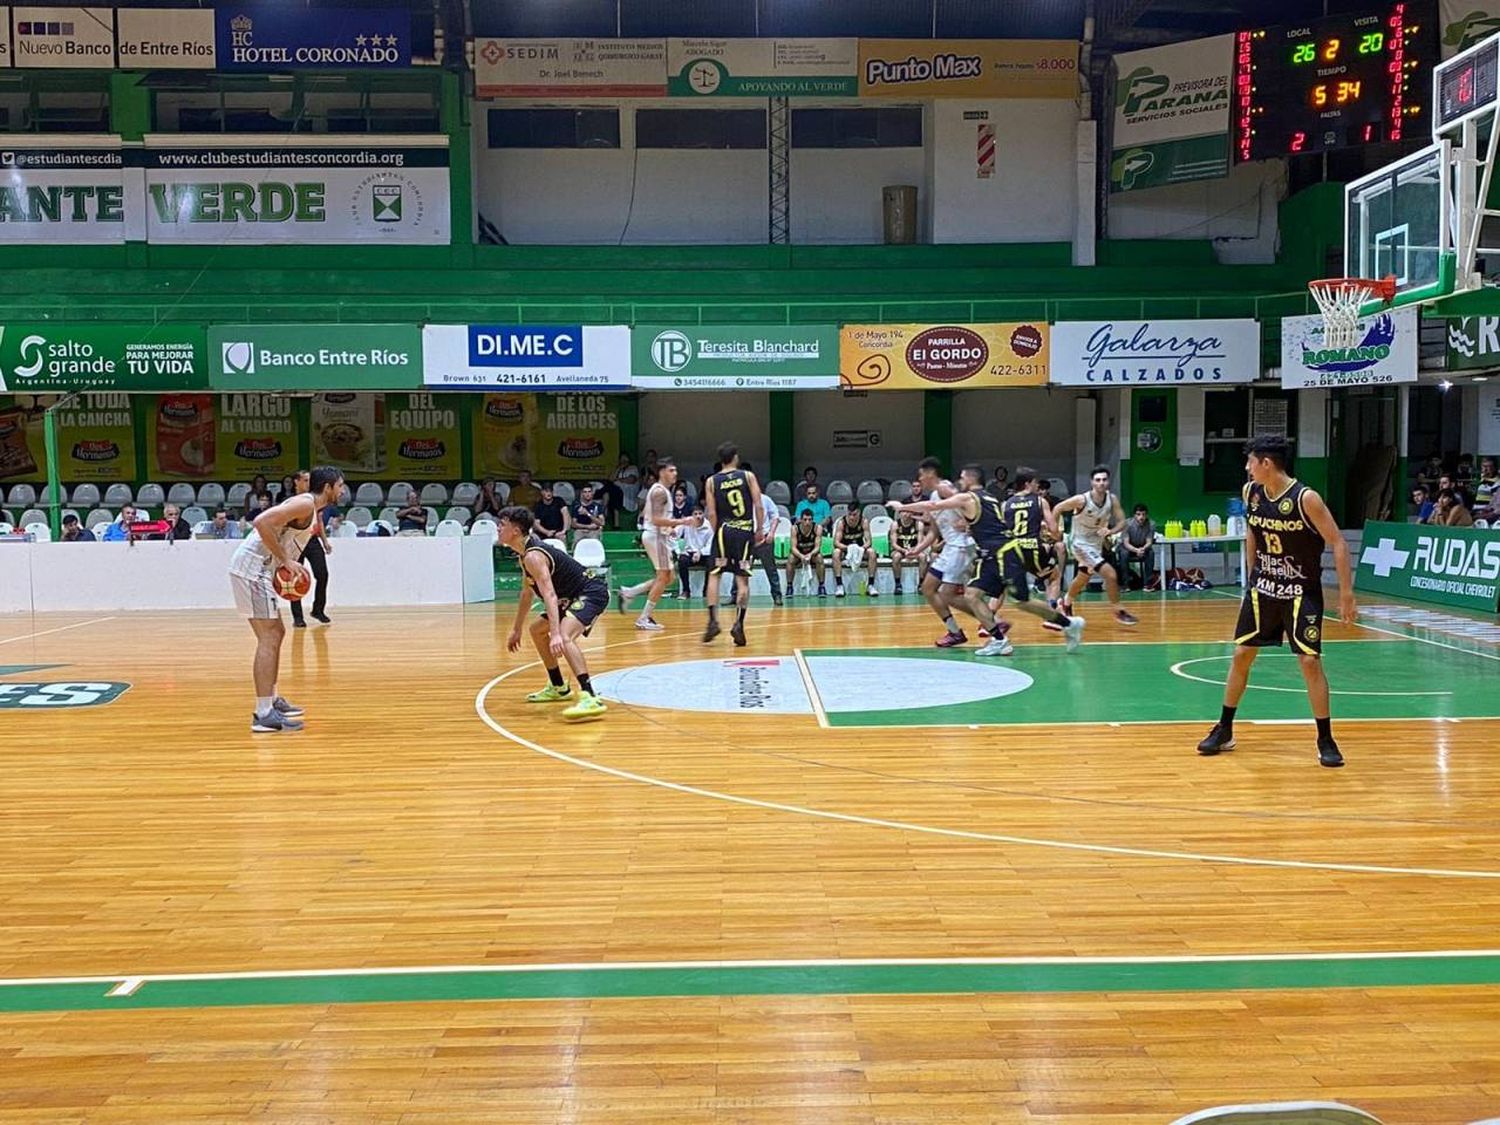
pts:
[59, 629]
[812, 688]
[129, 984]
[1177, 670]
[954, 833]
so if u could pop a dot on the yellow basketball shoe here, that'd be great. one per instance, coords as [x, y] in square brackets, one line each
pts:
[587, 709]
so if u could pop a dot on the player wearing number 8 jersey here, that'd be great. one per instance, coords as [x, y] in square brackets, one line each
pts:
[1289, 526]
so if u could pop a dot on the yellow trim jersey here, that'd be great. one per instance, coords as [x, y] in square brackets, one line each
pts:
[1288, 548]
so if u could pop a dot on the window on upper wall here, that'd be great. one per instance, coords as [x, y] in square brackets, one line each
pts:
[307, 104]
[54, 111]
[1231, 417]
[700, 128]
[554, 128]
[886, 127]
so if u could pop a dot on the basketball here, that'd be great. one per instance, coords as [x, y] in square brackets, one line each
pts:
[292, 583]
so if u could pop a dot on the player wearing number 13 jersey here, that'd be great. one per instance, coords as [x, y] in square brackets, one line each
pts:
[1289, 527]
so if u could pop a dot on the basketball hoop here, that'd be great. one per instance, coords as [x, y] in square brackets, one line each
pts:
[1340, 299]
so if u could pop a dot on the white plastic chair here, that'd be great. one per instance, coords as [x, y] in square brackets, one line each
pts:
[348, 529]
[98, 518]
[31, 516]
[839, 492]
[194, 514]
[74, 512]
[390, 527]
[450, 529]
[434, 493]
[838, 512]
[783, 510]
[870, 492]
[462, 515]
[1482, 523]
[358, 517]
[879, 525]
[558, 543]
[86, 496]
[399, 493]
[465, 493]
[46, 494]
[900, 491]
[387, 515]
[22, 495]
[1282, 1113]
[779, 492]
[118, 495]
[201, 527]
[502, 490]
[6, 528]
[564, 492]
[237, 495]
[369, 494]
[209, 495]
[590, 555]
[40, 532]
[432, 520]
[874, 511]
[8, 516]
[151, 495]
[182, 494]
[485, 527]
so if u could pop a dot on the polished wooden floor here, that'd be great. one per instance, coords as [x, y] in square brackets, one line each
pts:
[156, 835]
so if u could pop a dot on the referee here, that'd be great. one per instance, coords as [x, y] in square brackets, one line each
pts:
[315, 555]
[766, 552]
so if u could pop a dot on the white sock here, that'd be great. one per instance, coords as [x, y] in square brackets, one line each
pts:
[263, 704]
[649, 610]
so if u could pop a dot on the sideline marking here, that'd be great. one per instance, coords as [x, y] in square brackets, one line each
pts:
[812, 688]
[954, 833]
[59, 629]
[1177, 670]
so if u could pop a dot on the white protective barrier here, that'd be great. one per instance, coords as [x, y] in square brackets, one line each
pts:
[193, 574]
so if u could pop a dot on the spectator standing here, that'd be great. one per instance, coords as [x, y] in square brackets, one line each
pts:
[1137, 556]
[822, 512]
[74, 532]
[221, 527]
[119, 530]
[681, 508]
[288, 487]
[695, 544]
[1487, 488]
[551, 515]
[588, 515]
[809, 477]
[765, 550]
[258, 484]
[1421, 504]
[411, 521]
[315, 556]
[525, 494]
[1451, 510]
[624, 482]
[1429, 473]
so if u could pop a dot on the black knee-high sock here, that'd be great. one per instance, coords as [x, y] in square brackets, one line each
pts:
[739, 613]
[1325, 727]
[586, 683]
[713, 614]
[556, 676]
[1226, 717]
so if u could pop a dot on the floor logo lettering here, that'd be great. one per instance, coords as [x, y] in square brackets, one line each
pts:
[44, 694]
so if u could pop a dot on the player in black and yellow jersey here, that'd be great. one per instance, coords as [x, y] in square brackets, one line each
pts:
[732, 502]
[911, 542]
[1025, 554]
[806, 552]
[1289, 527]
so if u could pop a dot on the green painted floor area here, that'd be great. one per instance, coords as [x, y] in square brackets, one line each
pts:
[789, 979]
[1136, 683]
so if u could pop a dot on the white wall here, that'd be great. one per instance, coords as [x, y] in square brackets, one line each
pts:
[608, 196]
[895, 415]
[1032, 197]
[836, 192]
[1032, 426]
[690, 425]
[1238, 212]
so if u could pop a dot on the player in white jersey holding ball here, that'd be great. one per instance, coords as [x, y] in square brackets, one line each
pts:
[277, 539]
[1097, 517]
[658, 529]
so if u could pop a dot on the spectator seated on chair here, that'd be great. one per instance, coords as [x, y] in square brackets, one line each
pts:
[1487, 487]
[411, 521]
[1451, 510]
[488, 502]
[806, 551]
[119, 531]
[1422, 505]
[172, 514]
[551, 515]
[911, 546]
[695, 545]
[682, 507]
[820, 508]
[222, 527]
[588, 515]
[1136, 542]
[75, 532]
[851, 545]
[523, 493]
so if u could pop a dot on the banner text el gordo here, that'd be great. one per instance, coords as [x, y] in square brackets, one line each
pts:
[905, 357]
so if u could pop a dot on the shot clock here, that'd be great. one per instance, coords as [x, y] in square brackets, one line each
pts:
[1332, 83]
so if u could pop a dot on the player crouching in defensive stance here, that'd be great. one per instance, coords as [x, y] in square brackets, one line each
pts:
[1288, 527]
[572, 600]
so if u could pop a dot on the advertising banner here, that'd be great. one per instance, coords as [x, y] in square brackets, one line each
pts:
[6, 58]
[348, 432]
[1452, 566]
[64, 38]
[96, 441]
[567, 436]
[221, 437]
[968, 68]
[211, 189]
[68, 190]
[522, 357]
[1157, 352]
[763, 68]
[282, 357]
[422, 436]
[283, 36]
[911, 357]
[1172, 114]
[165, 38]
[1386, 352]
[55, 358]
[735, 357]
[1473, 343]
[1466, 22]
[591, 68]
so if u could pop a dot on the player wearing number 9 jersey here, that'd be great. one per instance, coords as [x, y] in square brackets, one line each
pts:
[732, 501]
[1289, 525]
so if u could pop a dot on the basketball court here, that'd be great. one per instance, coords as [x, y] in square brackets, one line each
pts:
[837, 875]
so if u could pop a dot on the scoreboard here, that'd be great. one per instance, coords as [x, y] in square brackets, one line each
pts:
[1336, 82]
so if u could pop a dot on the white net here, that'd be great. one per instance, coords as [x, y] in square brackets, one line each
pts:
[1340, 300]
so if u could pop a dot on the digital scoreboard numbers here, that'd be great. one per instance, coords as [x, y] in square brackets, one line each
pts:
[1337, 82]
[1466, 86]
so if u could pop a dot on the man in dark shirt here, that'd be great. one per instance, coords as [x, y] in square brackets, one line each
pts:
[412, 519]
[172, 515]
[74, 532]
[588, 515]
[1137, 559]
[551, 515]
